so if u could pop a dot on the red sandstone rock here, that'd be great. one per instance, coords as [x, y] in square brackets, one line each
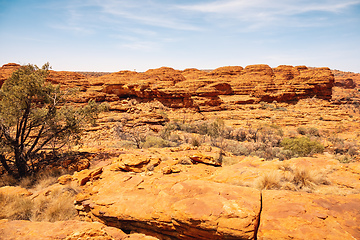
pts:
[86, 175]
[6, 70]
[199, 89]
[171, 206]
[294, 215]
[347, 83]
[135, 163]
[69, 230]
[207, 159]
[17, 191]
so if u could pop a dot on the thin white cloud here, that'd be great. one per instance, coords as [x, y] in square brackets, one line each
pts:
[264, 12]
[150, 13]
[286, 7]
[75, 29]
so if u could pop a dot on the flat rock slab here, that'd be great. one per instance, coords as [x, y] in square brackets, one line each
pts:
[174, 208]
[69, 230]
[296, 215]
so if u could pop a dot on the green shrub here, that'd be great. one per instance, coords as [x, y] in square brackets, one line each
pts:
[156, 142]
[302, 146]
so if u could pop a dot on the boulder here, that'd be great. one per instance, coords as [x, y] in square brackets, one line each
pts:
[170, 206]
[135, 163]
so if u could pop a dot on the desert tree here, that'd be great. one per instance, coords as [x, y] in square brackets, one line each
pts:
[34, 115]
[135, 134]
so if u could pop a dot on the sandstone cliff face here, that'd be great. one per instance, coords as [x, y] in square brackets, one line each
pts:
[194, 88]
[220, 87]
[6, 71]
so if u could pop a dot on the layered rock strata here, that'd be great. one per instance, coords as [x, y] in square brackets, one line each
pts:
[198, 89]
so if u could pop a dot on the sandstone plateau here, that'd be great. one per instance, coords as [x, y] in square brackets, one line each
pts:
[183, 190]
[200, 89]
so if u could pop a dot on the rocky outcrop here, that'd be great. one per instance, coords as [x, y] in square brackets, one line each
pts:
[347, 83]
[203, 90]
[293, 215]
[195, 88]
[173, 209]
[170, 200]
[165, 194]
[6, 70]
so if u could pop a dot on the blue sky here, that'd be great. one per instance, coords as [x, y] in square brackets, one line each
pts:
[113, 35]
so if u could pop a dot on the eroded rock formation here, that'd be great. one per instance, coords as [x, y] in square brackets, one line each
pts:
[192, 88]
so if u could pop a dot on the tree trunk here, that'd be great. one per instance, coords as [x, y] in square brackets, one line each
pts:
[21, 164]
[5, 165]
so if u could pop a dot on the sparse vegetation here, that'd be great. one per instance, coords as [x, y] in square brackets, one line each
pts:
[15, 207]
[34, 116]
[55, 205]
[137, 135]
[302, 146]
[291, 178]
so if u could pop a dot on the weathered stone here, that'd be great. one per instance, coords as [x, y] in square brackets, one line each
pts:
[207, 159]
[295, 215]
[135, 163]
[64, 179]
[198, 89]
[17, 191]
[86, 175]
[175, 207]
[69, 230]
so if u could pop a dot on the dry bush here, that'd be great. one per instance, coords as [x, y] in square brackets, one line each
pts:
[156, 142]
[53, 205]
[237, 148]
[301, 178]
[8, 180]
[270, 180]
[301, 130]
[314, 132]
[238, 134]
[42, 179]
[291, 178]
[136, 134]
[57, 205]
[15, 207]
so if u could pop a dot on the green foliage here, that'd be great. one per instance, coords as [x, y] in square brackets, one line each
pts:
[302, 146]
[92, 110]
[156, 142]
[34, 116]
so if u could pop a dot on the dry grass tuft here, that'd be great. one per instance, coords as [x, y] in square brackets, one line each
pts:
[269, 181]
[15, 207]
[57, 205]
[292, 178]
[7, 180]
